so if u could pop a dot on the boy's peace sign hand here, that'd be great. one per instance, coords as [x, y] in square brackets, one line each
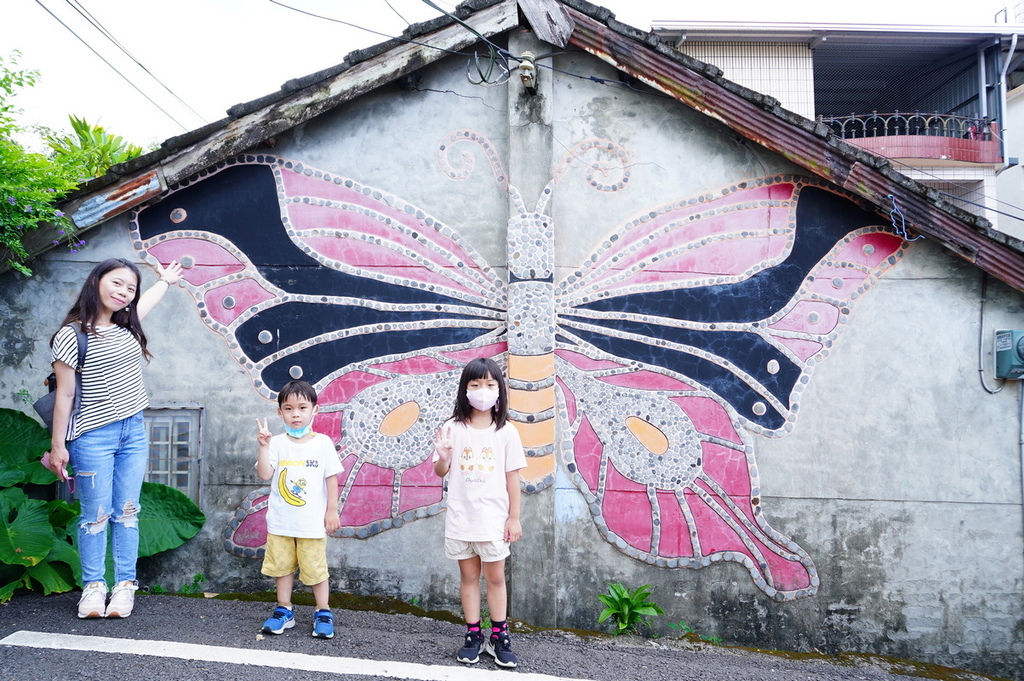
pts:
[443, 443]
[263, 433]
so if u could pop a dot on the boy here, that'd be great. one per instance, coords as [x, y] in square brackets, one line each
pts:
[303, 508]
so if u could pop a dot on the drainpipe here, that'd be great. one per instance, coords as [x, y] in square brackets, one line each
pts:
[1002, 104]
[982, 84]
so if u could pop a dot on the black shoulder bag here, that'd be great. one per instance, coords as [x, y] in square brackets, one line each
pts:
[44, 405]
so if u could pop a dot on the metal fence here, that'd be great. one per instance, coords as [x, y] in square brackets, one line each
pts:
[877, 124]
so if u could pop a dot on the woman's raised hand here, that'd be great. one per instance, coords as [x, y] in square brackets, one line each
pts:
[171, 274]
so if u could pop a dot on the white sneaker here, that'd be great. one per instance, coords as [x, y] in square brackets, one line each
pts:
[122, 599]
[94, 597]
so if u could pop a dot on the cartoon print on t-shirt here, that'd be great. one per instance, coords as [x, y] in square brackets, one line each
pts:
[477, 467]
[292, 492]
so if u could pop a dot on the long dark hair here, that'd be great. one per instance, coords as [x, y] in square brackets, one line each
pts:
[87, 308]
[481, 367]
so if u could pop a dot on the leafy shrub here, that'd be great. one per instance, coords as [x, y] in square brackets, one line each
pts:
[628, 609]
[91, 149]
[30, 183]
[37, 537]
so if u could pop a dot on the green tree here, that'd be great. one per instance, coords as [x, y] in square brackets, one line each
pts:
[91, 149]
[30, 183]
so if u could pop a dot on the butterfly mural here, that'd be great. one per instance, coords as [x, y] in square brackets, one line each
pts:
[646, 372]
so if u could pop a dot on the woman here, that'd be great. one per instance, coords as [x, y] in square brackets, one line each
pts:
[106, 442]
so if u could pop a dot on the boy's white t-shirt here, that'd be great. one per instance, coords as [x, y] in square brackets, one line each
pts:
[298, 490]
[477, 495]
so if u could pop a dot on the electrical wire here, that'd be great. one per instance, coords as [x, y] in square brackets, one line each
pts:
[114, 68]
[388, 3]
[368, 30]
[981, 338]
[966, 189]
[78, 7]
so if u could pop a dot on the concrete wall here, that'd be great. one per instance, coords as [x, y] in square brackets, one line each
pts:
[891, 479]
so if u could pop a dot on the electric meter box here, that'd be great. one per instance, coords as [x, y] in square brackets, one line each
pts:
[1009, 354]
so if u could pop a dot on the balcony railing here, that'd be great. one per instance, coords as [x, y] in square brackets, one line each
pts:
[941, 137]
[876, 124]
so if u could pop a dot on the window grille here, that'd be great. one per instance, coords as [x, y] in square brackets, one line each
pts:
[175, 449]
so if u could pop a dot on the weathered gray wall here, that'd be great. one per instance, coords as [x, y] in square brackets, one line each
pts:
[901, 477]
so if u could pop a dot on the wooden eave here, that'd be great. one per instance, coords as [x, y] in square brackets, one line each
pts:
[642, 55]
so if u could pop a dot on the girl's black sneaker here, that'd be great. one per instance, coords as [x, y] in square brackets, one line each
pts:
[470, 652]
[500, 648]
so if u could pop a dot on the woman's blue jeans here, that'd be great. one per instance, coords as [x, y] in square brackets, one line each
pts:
[110, 464]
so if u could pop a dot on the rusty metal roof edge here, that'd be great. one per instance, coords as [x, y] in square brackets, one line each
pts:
[648, 40]
[967, 225]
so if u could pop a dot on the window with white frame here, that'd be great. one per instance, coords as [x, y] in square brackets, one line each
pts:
[175, 449]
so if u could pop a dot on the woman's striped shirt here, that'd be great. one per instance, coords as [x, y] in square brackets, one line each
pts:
[112, 386]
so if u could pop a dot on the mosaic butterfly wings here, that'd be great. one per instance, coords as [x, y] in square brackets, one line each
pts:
[645, 371]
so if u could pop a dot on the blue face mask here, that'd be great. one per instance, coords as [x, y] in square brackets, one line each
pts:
[298, 433]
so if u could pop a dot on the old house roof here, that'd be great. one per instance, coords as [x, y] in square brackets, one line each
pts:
[576, 23]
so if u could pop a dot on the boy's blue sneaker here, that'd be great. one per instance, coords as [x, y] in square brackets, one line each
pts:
[470, 652]
[501, 649]
[282, 619]
[323, 624]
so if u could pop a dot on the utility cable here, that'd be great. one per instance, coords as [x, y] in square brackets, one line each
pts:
[78, 7]
[981, 338]
[966, 189]
[104, 60]
[368, 30]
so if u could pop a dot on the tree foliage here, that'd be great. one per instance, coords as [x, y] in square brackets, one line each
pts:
[31, 184]
[90, 148]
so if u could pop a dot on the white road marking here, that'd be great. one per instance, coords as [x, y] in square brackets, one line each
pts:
[262, 658]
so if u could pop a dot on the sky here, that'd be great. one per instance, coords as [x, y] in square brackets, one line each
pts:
[188, 61]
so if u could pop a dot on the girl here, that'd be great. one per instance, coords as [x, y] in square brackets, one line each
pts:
[106, 442]
[481, 455]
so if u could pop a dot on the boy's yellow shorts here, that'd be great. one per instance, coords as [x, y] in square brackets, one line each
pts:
[284, 554]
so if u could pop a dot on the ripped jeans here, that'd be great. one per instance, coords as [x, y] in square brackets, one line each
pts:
[109, 464]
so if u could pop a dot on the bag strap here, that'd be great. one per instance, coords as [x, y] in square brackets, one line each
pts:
[83, 344]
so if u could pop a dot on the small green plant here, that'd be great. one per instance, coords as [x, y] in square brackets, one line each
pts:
[195, 586]
[687, 629]
[628, 609]
[156, 589]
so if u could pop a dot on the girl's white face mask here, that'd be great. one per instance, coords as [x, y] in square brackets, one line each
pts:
[482, 398]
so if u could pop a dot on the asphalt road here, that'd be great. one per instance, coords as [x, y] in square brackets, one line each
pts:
[196, 638]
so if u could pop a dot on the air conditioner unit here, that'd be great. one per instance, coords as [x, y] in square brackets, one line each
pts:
[1009, 354]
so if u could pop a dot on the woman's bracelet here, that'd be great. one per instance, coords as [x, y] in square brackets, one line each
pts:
[165, 281]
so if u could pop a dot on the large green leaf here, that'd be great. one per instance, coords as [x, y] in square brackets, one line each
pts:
[168, 519]
[53, 577]
[22, 443]
[26, 535]
[7, 586]
[62, 515]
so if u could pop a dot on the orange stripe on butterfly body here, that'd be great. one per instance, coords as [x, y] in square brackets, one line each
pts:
[532, 410]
